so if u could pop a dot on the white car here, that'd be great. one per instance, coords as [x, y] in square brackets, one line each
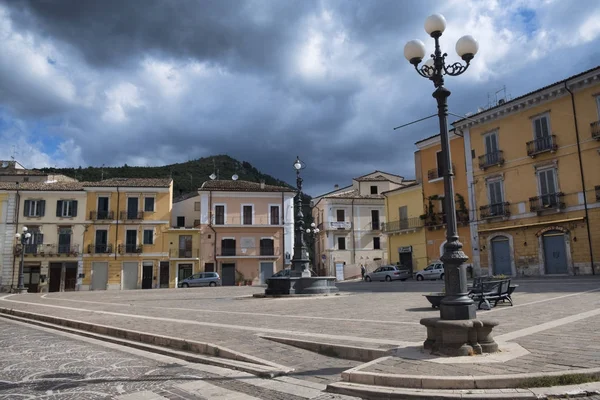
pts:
[433, 271]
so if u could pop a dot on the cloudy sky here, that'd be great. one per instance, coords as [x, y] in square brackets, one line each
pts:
[153, 82]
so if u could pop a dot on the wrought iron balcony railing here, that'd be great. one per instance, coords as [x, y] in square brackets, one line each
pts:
[542, 145]
[495, 210]
[130, 248]
[100, 248]
[438, 173]
[402, 225]
[339, 225]
[595, 127]
[491, 159]
[102, 215]
[547, 201]
[132, 215]
[261, 251]
[183, 253]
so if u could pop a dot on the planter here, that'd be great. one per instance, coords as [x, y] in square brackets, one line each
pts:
[435, 299]
[249, 282]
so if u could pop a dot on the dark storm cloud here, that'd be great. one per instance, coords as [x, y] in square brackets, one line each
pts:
[154, 82]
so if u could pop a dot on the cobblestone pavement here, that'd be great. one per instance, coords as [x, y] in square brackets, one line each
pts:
[40, 363]
[556, 320]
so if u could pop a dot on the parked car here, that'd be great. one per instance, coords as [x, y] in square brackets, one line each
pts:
[432, 272]
[388, 273]
[201, 279]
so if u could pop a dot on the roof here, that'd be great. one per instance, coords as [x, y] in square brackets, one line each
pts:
[378, 178]
[354, 194]
[185, 196]
[131, 182]
[433, 136]
[43, 186]
[242, 186]
[366, 176]
[16, 171]
[516, 99]
[408, 185]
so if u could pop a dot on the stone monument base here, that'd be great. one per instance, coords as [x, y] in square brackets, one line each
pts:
[459, 337]
[282, 286]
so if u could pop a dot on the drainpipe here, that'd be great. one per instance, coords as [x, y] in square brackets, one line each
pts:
[353, 240]
[585, 205]
[117, 226]
[214, 232]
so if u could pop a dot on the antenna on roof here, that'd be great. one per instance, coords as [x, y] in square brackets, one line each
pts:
[14, 152]
[102, 172]
[214, 176]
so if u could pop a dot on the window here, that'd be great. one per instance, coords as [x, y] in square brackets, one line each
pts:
[495, 197]
[132, 207]
[341, 243]
[403, 217]
[440, 163]
[180, 222]
[101, 245]
[35, 241]
[598, 105]
[185, 246]
[491, 143]
[267, 247]
[274, 215]
[103, 208]
[247, 215]
[64, 240]
[66, 208]
[196, 223]
[341, 215]
[228, 247]
[220, 215]
[375, 219]
[373, 189]
[131, 241]
[34, 208]
[148, 236]
[149, 204]
[197, 206]
[376, 243]
[541, 127]
[547, 186]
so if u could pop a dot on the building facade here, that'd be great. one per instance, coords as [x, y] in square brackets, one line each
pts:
[350, 221]
[246, 229]
[533, 177]
[126, 237]
[404, 228]
[429, 170]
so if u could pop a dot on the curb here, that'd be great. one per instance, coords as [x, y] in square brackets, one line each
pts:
[364, 354]
[152, 342]
[507, 381]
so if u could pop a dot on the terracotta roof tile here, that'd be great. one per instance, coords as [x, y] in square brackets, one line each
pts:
[242, 186]
[43, 186]
[130, 182]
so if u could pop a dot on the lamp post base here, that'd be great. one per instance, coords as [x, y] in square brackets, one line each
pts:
[21, 290]
[453, 312]
[460, 337]
[323, 285]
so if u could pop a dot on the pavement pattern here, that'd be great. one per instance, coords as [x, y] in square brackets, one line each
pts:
[556, 320]
[40, 363]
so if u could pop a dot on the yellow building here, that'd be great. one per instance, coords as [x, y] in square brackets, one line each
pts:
[405, 227]
[125, 240]
[429, 171]
[534, 174]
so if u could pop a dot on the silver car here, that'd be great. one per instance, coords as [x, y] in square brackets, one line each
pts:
[201, 279]
[388, 273]
[432, 272]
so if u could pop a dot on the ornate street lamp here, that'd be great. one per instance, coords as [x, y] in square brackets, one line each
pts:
[456, 305]
[300, 262]
[313, 233]
[23, 238]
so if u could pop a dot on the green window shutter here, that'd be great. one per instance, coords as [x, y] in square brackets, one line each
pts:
[42, 208]
[59, 205]
[26, 207]
[74, 208]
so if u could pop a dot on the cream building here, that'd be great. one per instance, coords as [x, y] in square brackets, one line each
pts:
[350, 221]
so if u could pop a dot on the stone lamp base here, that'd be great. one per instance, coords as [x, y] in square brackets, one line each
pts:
[459, 337]
[316, 285]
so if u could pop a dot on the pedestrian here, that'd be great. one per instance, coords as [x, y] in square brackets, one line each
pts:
[362, 271]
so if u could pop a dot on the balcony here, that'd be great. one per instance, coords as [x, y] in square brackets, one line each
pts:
[542, 145]
[595, 128]
[499, 210]
[131, 215]
[248, 252]
[48, 250]
[261, 221]
[490, 159]
[552, 201]
[374, 226]
[403, 225]
[100, 248]
[597, 188]
[102, 215]
[435, 174]
[183, 253]
[344, 225]
[130, 248]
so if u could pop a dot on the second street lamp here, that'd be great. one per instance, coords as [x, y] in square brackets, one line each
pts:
[23, 238]
[443, 334]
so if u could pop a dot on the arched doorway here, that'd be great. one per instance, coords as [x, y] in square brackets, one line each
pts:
[555, 253]
[501, 260]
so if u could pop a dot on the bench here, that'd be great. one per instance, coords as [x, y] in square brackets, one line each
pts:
[491, 290]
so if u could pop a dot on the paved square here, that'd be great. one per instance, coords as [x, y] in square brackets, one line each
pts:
[556, 320]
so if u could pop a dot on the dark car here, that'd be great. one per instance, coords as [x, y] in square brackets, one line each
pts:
[388, 273]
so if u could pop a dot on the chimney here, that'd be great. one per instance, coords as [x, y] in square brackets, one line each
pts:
[336, 186]
[262, 183]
